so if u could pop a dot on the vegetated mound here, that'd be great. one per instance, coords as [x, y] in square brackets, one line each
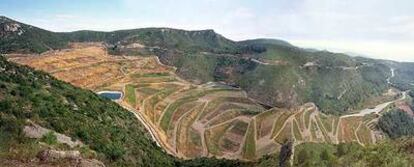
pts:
[23, 38]
[273, 72]
[397, 124]
[387, 153]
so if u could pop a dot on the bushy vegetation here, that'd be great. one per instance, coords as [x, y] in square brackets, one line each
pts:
[404, 76]
[28, 39]
[387, 154]
[49, 138]
[397, 123]
[213, 162]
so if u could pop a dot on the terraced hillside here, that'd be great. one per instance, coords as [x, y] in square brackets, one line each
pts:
[190, 120]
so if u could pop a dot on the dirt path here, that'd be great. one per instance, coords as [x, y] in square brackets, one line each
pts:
[174, 144]
[150, 129]
[123, 70]
[377, 108]
[288, 120]
[356, 134]
[199, 127]
[259, 62]
[338, 130]
[322, 128]
[222, 123]
[168, 105]
[364, 112]
[243, 141]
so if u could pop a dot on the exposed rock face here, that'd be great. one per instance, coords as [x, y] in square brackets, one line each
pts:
[73, 156]
[90, 163]
[49, 155]
[13, 27]
[36, 131]
[8, 27]
[404, 106]
[134, 45]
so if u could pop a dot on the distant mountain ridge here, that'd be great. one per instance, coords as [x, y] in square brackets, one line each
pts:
[19, 37]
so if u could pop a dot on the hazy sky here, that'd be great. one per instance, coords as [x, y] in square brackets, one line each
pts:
[377, 28]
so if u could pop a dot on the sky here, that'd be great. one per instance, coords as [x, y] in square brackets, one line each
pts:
[381, 29]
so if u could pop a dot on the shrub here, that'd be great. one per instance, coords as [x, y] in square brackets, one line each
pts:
[49, 138]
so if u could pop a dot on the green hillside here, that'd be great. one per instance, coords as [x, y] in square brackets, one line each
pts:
[385, 154]
[22, 38]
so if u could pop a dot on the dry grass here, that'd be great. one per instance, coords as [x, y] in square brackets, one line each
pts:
[189, 140]
[348, 129]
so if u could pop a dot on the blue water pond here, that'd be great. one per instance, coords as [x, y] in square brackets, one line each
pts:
[111, 95]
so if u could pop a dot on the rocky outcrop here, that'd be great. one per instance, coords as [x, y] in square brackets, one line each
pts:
[50, 155]
[8, 27]
[34, 130]
[74, 157]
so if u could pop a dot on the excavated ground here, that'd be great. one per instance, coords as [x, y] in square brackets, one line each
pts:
[191, 120]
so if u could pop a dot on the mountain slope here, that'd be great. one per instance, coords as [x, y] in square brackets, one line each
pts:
[166, 38]
[277, 74]
[273, 72]
[292, 75]
[23, 38]
[115, 134]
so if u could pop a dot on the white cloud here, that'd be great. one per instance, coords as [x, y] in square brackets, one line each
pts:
[399, 51]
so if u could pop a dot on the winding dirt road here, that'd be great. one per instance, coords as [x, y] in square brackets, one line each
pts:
[377, 109]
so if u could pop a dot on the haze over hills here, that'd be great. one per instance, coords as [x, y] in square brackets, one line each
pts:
[200, 94]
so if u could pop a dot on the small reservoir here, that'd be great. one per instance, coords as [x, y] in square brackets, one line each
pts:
[112, 95]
